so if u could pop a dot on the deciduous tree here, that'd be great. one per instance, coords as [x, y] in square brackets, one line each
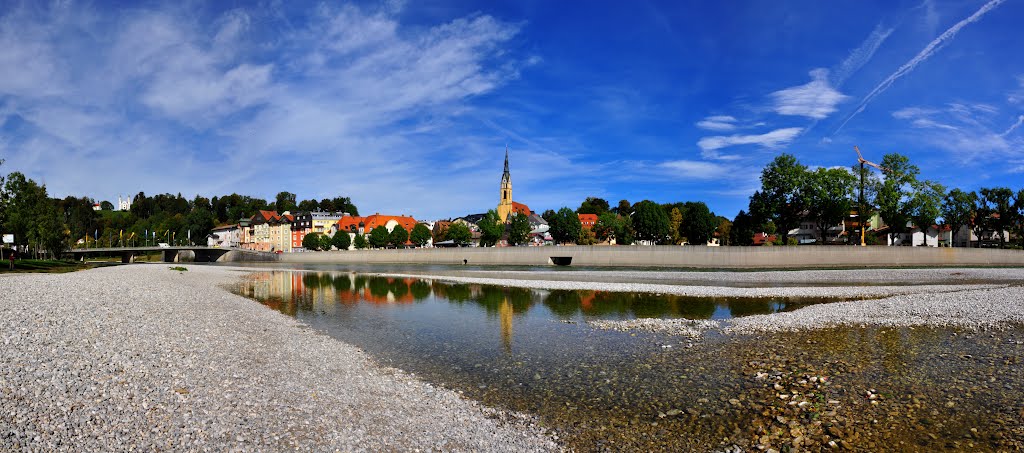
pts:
[565, 226]
[699, 223]
[781, 199]
[593, 205]
[459, 234]
[998, 201]
[958, 208]
[650, 221]
[519, 229]
[925, 205]
[398, 237]
[341, 240]
[311, 242]
[829, 194]
[491, 229]
[379, 237]
[893, 194]
[360, 242]
[420, 235]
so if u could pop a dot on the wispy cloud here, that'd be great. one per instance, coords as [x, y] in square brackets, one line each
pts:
[772, 139]
[861, 55]
[929, 50]
[694, 169]
[815, 99]
[718, 123]
[1020, 120]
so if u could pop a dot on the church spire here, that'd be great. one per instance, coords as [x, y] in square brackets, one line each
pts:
[506, 176]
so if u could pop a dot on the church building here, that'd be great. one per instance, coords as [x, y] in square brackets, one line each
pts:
[506, 206]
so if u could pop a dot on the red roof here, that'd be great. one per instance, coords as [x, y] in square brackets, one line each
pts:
[588, 219]
[761, 238]
[368, 223]
[521, 208]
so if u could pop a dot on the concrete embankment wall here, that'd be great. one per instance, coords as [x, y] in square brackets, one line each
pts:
[247, 256]
[675, 256]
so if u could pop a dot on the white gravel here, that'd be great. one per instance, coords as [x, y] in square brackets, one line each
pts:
[143, 358]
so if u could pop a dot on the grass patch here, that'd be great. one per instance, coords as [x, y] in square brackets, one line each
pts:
[178, 268]
[50, 266]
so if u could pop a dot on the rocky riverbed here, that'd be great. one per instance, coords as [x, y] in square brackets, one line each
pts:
[143, 358]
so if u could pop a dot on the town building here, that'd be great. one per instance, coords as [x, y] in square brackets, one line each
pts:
[506, 206]
[124, 204]
[354, 225]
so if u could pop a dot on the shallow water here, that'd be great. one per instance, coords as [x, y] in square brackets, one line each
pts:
[532, 351]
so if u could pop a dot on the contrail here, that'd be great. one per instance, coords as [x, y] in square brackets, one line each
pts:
[925, 53]
[1020, 120]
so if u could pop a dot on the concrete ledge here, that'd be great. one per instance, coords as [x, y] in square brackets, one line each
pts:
[675, 256]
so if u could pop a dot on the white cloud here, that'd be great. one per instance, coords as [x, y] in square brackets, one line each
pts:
[815, 99]
[773, 139]
[692, 169]
[1020, 120]
[929, 50]
[861, 55]
[718, 123]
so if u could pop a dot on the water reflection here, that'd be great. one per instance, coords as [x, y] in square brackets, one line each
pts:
[287, 291]
[609, 390]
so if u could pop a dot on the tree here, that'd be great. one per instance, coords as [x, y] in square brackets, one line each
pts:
[925, 205]
[624, 209]
[586, 237]
[360, 242]
[998, 201]
[308, 206]
[650, 221]
[699, 224]
[459, 234]
[675, 222]
[440, 231]
[828, 193]
[724, 231]
[892, 195]
[1018, 205]
[106, 205]
[285, 201]
[341, 240]
[781, 199]
[593, 205]
[420, 235]
[548, 215]
[311, 242]
[325, 242]
[398, 237]
[519, 229]
[743, 229]
[608, 226]
[379, 237]
[491, 229]
[565, 226]
[958, 208]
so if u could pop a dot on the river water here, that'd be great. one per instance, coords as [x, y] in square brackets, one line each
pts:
[533, 351]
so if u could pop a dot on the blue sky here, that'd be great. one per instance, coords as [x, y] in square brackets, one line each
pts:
[407, 106]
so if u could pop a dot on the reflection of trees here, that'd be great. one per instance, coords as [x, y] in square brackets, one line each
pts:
[420, 289]
[453, 292]
[492, 298]
[399, 288]
[342, 283]
[310, 280]
[563, 303]
[379, 287]
[747, 307]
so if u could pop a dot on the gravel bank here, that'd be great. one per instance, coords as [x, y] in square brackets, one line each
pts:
[145, 358]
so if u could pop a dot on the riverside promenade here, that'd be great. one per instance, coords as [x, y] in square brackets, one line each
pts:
[806, 257]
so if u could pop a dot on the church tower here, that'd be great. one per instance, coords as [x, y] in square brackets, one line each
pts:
[505, 205]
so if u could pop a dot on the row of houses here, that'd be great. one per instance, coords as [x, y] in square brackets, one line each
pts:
[268, 231]
[848, 232]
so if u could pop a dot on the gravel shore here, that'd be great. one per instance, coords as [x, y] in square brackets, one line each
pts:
[143, 358]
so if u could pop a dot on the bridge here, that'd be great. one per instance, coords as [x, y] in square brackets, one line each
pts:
[175, 254]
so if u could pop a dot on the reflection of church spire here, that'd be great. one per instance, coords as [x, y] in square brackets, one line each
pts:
[505, 313]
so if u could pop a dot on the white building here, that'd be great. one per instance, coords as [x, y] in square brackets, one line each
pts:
[124, 204]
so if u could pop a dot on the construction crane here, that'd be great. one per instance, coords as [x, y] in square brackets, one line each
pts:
[862, 209]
